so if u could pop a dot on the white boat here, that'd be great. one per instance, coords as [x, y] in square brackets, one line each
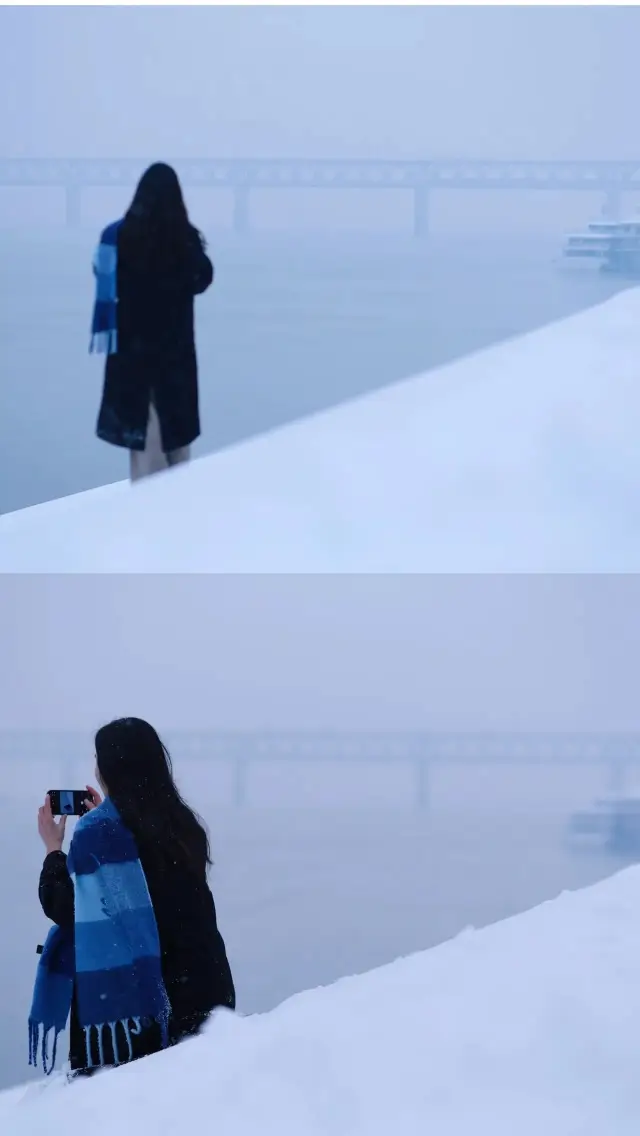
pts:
[614, 244]
[612, 821]
[593, 243]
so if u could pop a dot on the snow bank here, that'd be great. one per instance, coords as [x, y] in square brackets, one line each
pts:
[523, 458]
[527, 1027]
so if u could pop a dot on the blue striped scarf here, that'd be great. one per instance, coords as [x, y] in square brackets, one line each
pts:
[115, 967]
[104, 327]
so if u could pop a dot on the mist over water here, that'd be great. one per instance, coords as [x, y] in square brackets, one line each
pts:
[291, 326]
[324, 866]
[323, 871]
[329, 296]
[307, 893]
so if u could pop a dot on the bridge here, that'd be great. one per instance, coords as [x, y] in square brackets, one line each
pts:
[242, 176]
[616, 754]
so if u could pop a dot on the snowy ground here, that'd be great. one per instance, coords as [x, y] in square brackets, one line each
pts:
[293, 325]
[524, 1027]
[522, 458]
[307, 894]
[331, 868]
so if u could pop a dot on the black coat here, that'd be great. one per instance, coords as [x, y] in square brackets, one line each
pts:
[156, 355]
[195, 968]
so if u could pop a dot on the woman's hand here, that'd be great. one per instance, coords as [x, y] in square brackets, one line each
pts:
[51, 830]
[93, 798]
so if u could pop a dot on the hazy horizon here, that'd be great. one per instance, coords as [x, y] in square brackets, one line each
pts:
[497, 653]
[328, 871]
[546, 82]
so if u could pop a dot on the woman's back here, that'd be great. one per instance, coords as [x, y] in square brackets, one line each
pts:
[194, 959]
[134, 767]
[152, 967]
[149, 267]
[155, 299]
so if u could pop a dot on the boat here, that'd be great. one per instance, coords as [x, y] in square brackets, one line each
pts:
[615, 245]
[613, 822]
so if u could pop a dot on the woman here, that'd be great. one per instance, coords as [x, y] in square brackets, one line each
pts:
[136, 957]
[148, 268]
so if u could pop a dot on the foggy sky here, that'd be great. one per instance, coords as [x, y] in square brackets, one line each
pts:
[495, 82]
[510, 652]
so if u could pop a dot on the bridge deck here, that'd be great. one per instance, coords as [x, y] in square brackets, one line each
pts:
[328, 173]
[463, 748]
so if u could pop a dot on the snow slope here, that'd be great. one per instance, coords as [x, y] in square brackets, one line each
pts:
[528, 1026]
[523, 458]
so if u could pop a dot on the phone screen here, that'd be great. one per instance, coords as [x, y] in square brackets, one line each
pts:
[68, 802]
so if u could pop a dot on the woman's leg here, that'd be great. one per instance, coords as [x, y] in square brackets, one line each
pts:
[150, 460]
[178, 457]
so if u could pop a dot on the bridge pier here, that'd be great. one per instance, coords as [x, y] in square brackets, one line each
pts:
[241, 209]
[73, 205]
[612, 204]
[421, 211]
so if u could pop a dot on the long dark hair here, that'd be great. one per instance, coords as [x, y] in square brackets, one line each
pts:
[156, 230]
[135, 769]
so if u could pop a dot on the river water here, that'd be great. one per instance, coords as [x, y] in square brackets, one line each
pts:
[305, 894]
[308, 895]
[291, 326]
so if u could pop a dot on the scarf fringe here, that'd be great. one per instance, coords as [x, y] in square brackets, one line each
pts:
[132, 1027]
[39, 1039]
[61, 975]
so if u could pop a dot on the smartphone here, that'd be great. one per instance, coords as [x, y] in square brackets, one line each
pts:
[68, 802]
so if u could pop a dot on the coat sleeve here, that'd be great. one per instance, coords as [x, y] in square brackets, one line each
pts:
[202, 272]
[56, 890]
